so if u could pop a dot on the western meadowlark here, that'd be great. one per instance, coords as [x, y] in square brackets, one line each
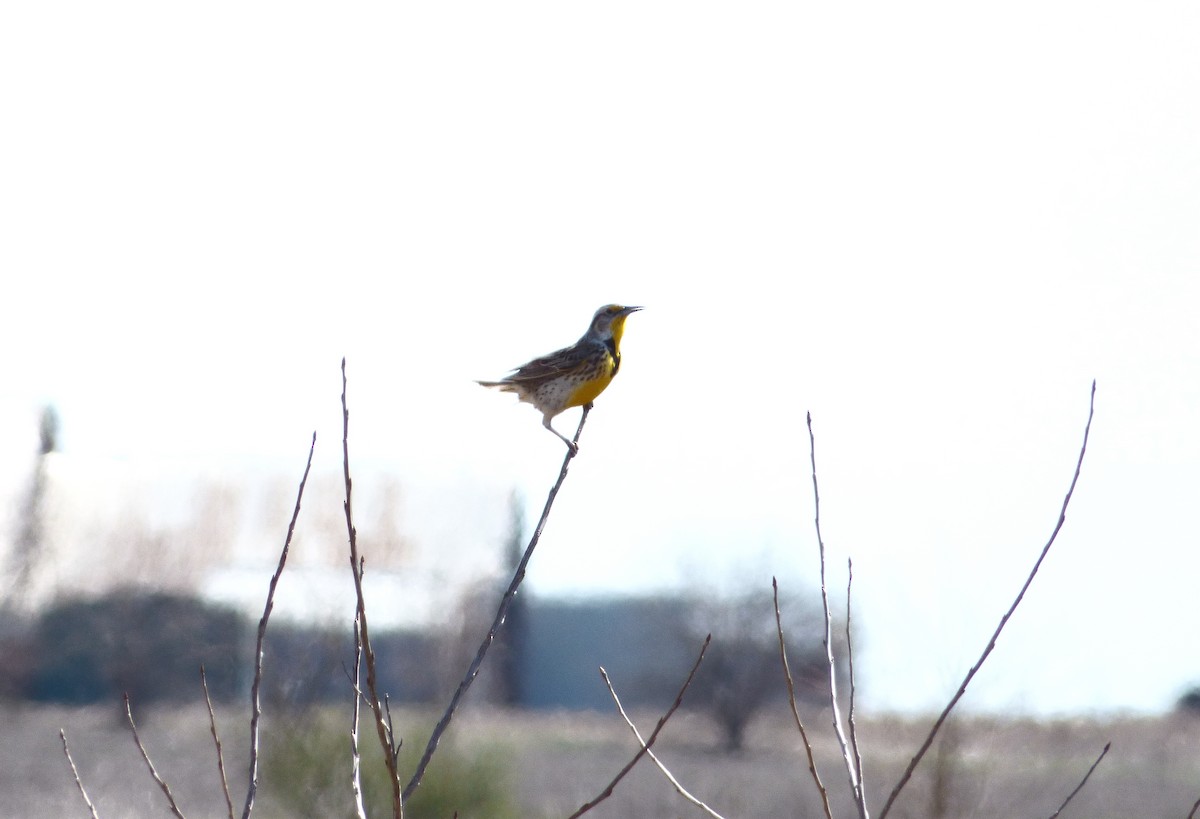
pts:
[572, 376]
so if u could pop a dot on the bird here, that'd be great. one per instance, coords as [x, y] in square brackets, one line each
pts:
[572, 376]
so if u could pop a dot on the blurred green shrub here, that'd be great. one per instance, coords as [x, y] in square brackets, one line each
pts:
[306, 773]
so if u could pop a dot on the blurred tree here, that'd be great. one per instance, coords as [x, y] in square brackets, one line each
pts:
[1189, 701]
[513, 635]
[950, 792]
[29, 545]
[502, 679]
[742, 672]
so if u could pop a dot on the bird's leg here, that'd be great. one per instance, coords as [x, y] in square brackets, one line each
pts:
[571, 445]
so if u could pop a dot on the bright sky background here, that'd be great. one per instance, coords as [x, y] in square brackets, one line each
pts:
[929, 224]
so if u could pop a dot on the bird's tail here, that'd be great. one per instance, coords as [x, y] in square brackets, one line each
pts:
[508, 386]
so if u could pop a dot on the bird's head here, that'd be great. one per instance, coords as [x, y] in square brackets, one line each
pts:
[609, 322]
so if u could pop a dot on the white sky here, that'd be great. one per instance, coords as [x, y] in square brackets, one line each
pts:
[929, 224]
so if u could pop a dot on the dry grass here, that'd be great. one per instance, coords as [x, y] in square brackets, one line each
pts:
[992, 768]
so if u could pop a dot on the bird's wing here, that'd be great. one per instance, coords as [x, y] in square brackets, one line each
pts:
[548, 366]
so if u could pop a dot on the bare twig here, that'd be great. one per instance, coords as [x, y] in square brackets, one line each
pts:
[360, 810]
[1195, 810]
[860, 801]
[1082, 782]
[212, 726]
[356, 565]
[256, 685]
[608, 791]
[850, 674]
[962, 689]
[497, 621]
[138, 741]
[791, 688]
[682, 791]
[387, 713]
[75, 772]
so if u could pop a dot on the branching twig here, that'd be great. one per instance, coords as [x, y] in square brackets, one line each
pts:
[355, 760]
[1082, 782]
[75, 772]
[138, 741]
[498, 621]
[682, 791]
[607, 792]
[256, 685]
[860, 800]
[212, 726]
[962, 689]
[791, 688]
[356, 566]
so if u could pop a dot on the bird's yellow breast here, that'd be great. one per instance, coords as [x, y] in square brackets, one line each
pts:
[587, 390]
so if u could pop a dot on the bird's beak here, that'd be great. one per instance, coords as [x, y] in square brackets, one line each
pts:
[629, 310]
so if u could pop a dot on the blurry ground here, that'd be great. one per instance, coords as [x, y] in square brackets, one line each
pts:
[988, 768]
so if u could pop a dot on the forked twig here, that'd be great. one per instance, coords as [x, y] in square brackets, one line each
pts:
[852, 770]
[138, 741]
[608, 791]
[962, 689]
[360, 809]
[75, 772]
[497, 621]
[682, 791]
[382, 728]
[256, 685]
[791, 688]
[212, 727]
[1082, 782]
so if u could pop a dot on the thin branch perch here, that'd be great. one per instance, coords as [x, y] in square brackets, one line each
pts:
[256, 686]
[962, 689]
[497, 621]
